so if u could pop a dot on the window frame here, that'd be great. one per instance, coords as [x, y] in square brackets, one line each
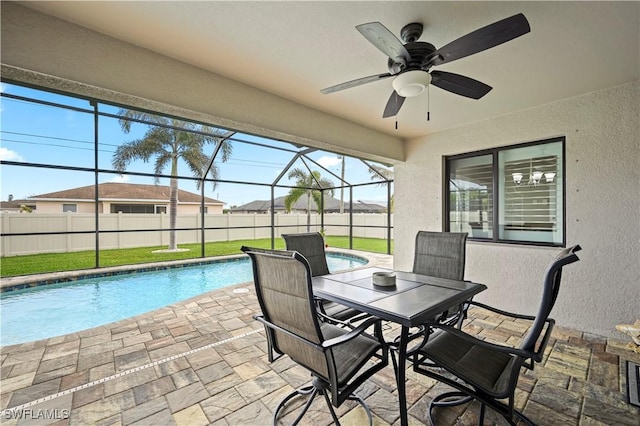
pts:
[497, 200]
[69, 207]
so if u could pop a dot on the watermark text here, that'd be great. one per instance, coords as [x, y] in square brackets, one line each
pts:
[36, 414]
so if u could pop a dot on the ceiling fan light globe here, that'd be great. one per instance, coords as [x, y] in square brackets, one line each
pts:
[411, 83]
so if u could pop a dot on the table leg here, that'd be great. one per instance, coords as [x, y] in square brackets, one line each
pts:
[401, 373]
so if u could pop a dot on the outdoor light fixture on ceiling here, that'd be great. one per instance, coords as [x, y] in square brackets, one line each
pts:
[411, 83]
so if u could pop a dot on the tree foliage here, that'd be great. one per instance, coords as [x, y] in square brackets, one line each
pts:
[309, 184]
[167, 141]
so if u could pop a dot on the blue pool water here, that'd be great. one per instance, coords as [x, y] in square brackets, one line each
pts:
[51, 310]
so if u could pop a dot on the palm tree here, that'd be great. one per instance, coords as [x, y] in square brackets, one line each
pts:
[168, 142]
[378, 173]
[308, 184]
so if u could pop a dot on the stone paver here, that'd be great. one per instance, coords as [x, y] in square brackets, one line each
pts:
[203, 361]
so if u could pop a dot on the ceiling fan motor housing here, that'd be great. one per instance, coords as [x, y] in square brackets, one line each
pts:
[421, 54]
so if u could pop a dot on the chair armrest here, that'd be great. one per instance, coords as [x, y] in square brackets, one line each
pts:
[351, 334]
[327, 343]
[322, 314]
[501, 312]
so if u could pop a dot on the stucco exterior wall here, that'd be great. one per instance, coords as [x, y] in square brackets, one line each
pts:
[602, 203]
[56, 207]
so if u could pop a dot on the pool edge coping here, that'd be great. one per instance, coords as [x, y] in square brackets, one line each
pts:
[9, 284]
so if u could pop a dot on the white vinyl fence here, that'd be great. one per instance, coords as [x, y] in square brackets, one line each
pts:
[247, 226]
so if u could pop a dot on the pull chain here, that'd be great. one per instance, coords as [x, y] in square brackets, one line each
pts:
[396, 100]
[428, 103]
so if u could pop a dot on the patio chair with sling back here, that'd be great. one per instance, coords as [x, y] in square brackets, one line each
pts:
[339, 359]
[485, 371]
[442, 255]
[311, 246]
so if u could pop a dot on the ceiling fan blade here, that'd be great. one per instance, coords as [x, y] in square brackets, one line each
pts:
[354, 83]
[385, 41]
[393, 105]
[459, 84]
[482, 39]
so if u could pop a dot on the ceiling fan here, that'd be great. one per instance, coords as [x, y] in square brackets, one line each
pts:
[410, 63]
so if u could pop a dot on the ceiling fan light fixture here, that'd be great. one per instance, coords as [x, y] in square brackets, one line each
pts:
[411, 83]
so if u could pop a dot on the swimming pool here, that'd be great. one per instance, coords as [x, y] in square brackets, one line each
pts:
[51, 310]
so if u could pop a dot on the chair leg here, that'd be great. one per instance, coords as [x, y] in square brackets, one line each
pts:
[318, 386]
[445, 400]
[331, 410]
[481, 416]
[360, 401]
[311, 390]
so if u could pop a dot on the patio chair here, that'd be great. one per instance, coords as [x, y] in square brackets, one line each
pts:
[485, 371]
[311, 246]
[442, 255]
[340, 360]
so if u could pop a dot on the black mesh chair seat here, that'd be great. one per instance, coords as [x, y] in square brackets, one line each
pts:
[482, 367]
[485, 371]
[350, 356]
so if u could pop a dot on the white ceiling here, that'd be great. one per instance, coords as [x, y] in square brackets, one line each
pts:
[294, 49]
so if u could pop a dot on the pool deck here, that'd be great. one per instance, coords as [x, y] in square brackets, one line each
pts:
[203, 361]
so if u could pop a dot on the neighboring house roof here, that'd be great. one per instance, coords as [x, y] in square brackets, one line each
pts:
[122, 192]
[330, 205]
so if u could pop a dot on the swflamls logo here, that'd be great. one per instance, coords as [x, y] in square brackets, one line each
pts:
[36, 414]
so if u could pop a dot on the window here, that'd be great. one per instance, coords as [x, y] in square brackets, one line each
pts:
[73, 208]
[133, 208]
[511, 194]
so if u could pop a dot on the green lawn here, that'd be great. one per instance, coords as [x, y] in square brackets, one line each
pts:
[55, 262]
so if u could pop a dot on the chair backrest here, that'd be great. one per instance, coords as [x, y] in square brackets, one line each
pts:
[311, 246]
[283, 286]
[440, 254]
[550, 290]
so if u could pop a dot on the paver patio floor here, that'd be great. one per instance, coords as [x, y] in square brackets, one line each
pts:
[203, 361]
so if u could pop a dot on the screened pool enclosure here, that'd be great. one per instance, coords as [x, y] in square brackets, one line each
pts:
[90, 179]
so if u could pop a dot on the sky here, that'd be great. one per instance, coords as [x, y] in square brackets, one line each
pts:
[45, 134]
